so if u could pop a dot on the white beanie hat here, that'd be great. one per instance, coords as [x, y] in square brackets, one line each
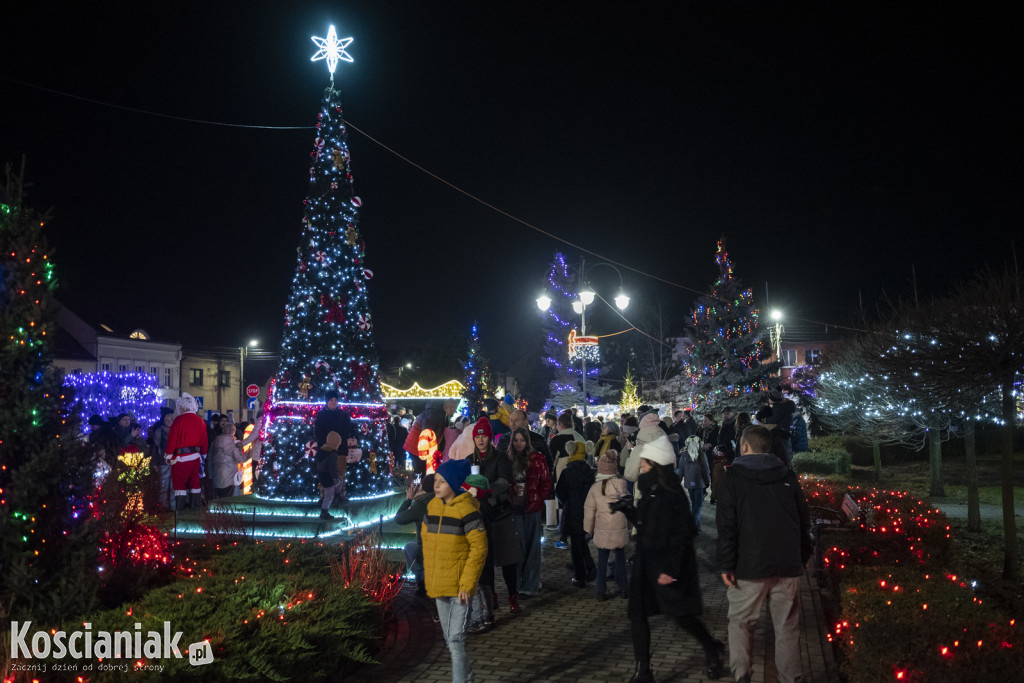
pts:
[187, 403]
[659, 451]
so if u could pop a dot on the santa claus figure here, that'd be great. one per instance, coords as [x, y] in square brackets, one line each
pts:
[186, 444]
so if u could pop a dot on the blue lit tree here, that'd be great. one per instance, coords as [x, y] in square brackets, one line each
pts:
[724, 360]
[566, 388]
[328, 332]
[477, 378]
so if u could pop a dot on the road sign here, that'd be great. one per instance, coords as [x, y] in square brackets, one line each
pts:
[199, 403]
[251, 403]
[252, 390]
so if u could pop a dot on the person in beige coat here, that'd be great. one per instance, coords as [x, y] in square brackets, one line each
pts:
[610, 529]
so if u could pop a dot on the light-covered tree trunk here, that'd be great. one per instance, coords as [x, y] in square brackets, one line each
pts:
[1009, 518]
[935, 488]
[876, 453]
[971, 460]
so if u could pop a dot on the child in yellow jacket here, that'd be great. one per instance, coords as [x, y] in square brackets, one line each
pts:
[454, 550]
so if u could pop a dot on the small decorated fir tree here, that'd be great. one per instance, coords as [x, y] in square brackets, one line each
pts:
[724, 358]
[478, 377]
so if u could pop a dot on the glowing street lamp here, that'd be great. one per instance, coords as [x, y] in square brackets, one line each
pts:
[544, 302]
[587, 296]
[776, 334]
[621, 301]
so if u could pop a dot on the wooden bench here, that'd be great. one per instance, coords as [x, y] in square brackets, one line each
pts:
[823, 519]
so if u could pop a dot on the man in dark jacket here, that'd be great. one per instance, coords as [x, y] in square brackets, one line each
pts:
[332, 418]
[763, 545]
[572, 489]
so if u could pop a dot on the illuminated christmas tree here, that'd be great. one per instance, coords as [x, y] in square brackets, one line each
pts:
[478, 379]
[48, 550]
[566, 387]
[328, 331]
[724, 358]
[630, 400]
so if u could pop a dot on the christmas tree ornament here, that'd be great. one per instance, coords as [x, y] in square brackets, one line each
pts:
[310, 449]
[367, 274]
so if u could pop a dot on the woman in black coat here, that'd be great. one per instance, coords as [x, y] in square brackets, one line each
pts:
[665, 577]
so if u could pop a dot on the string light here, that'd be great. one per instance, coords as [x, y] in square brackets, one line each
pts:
[453, 388]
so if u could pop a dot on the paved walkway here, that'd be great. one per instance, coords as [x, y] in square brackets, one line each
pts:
[564, 634]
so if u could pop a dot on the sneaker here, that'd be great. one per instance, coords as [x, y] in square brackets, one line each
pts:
[324, 514]
[601, 597]
[552, 527]
[561, 545]
[578, 583]
[478, 627]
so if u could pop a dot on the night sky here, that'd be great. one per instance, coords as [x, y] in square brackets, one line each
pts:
[835, 145]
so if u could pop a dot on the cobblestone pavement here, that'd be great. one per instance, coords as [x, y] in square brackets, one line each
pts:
[564, 634]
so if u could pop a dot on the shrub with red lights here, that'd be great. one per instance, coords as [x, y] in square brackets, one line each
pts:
[899, 615]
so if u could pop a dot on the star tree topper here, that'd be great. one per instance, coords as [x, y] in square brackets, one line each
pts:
[332, 49]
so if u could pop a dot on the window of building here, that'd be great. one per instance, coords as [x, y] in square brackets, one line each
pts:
[106, 367]
[155, 371]
[788, 358]
[167, 378]
[122, 368]
[139, 369]
[224, 378]
[812, 356]
[139, 334]
[195, 377]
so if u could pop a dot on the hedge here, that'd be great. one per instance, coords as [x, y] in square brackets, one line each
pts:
[828, 463]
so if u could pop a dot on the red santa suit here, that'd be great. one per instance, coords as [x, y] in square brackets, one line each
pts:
[186, 444]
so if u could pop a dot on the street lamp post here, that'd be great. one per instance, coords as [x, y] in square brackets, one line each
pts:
[586, 298]
[776, 336]
[243, 351]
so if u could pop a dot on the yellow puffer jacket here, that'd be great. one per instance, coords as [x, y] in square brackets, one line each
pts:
[454, 546]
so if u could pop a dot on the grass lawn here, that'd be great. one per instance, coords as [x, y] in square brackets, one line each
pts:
[913, 477]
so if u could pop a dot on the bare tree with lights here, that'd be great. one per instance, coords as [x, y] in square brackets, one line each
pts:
[967, 352]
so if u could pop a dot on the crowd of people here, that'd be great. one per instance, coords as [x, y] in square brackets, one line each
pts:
[190, 460]
[484, 488]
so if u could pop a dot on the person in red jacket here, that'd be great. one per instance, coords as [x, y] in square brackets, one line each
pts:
[186, 444]
[531, 488]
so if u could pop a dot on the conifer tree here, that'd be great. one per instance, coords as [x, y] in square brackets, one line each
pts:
[328, 333]
[478, 377]
[724, 358]
[48, 553]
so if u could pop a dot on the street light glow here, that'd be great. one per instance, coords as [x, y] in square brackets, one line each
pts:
[776, 314]
[544, 302]
[577, 307]
[587, 296]
[253, 342]
[622, 301]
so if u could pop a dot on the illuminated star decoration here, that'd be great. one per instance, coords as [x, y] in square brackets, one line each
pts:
[332, 50]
